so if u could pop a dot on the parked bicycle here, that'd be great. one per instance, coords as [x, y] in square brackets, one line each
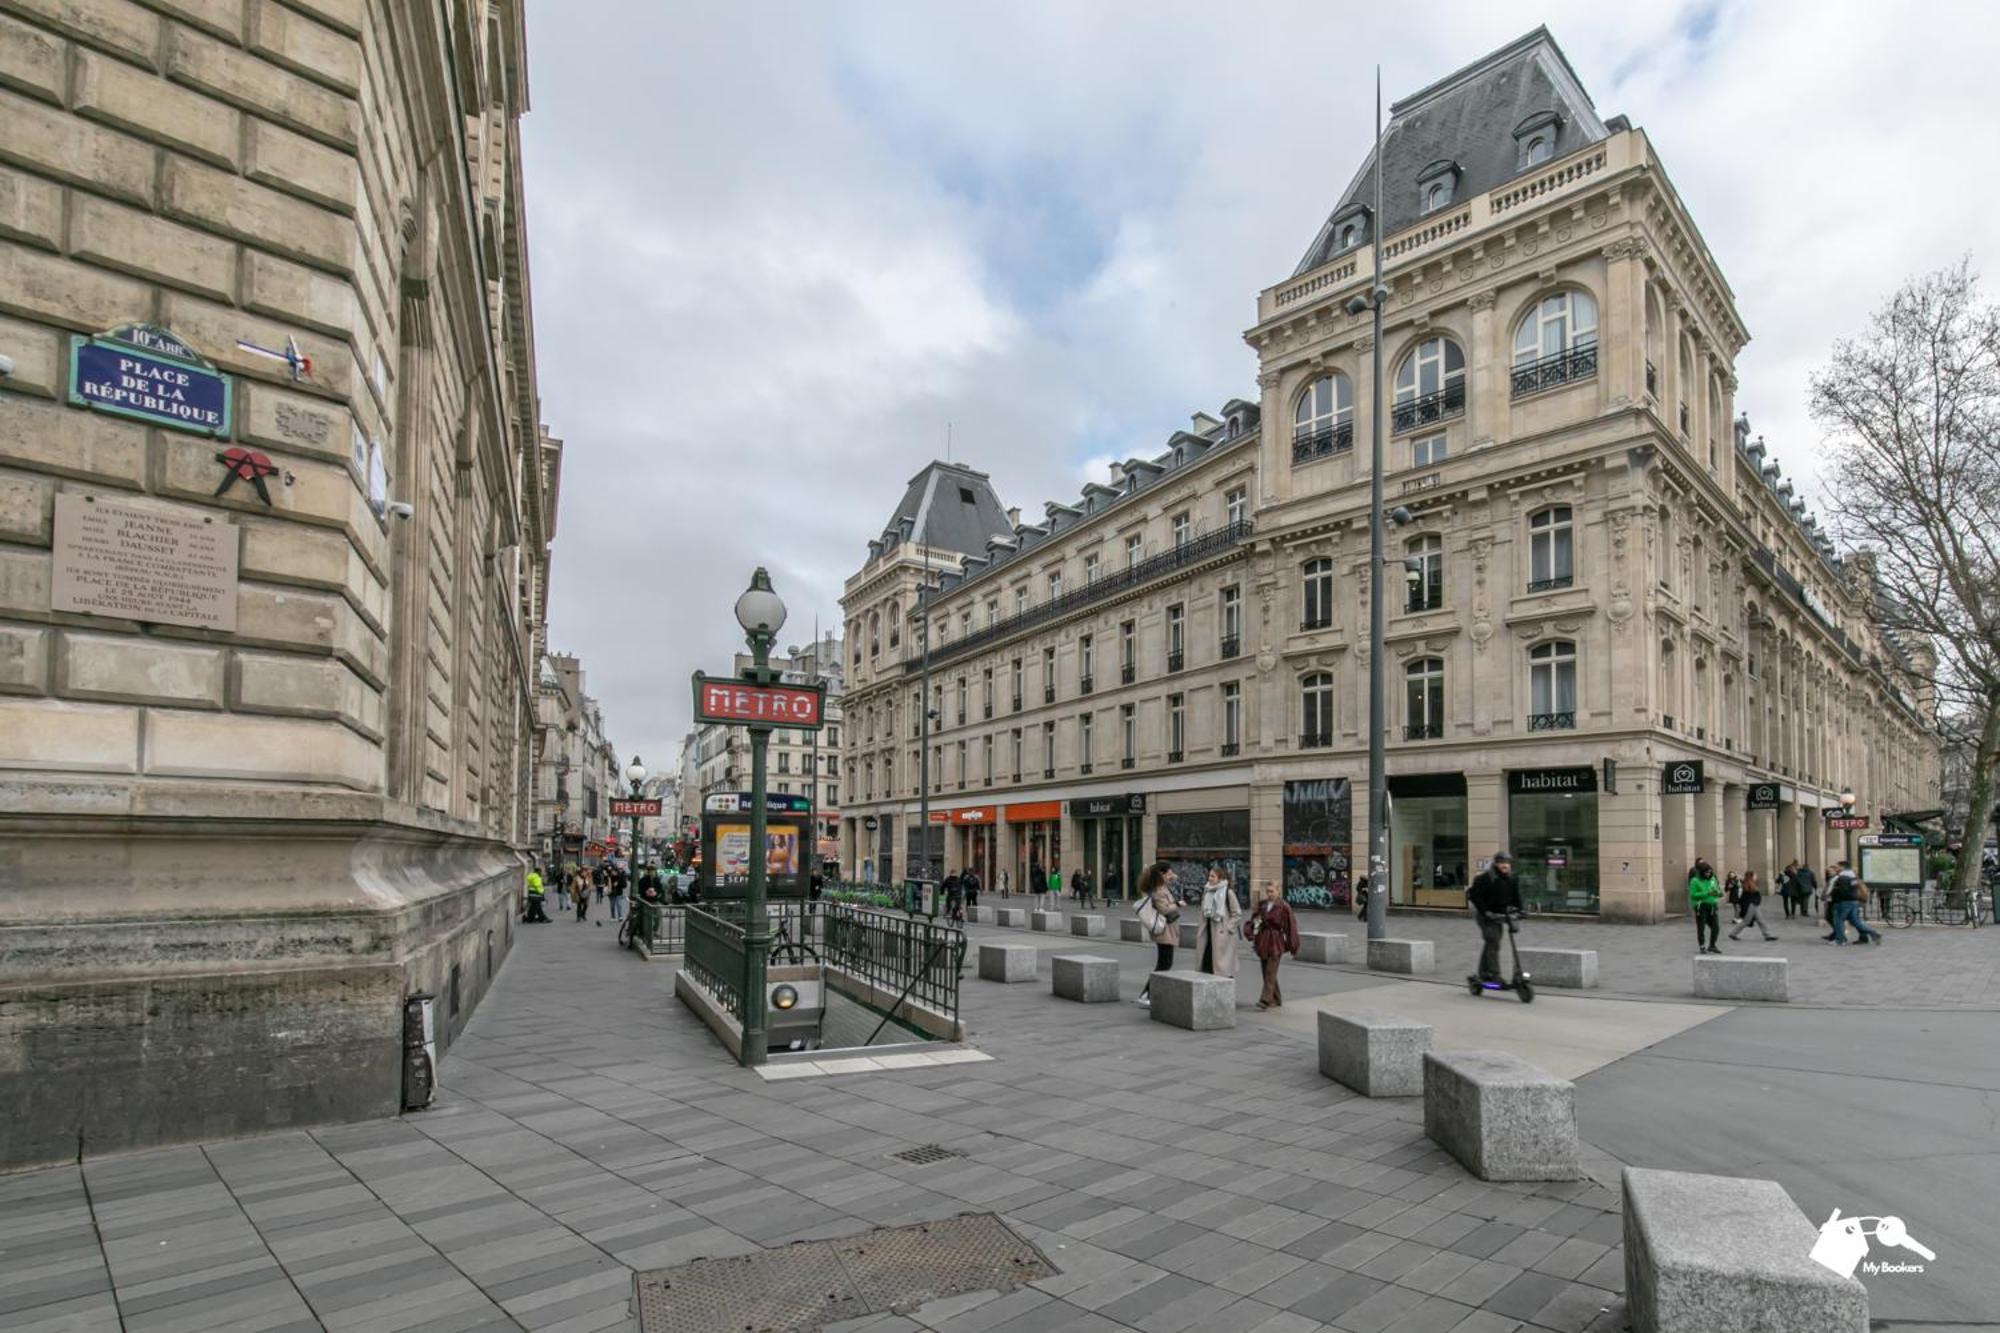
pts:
[1936, 909]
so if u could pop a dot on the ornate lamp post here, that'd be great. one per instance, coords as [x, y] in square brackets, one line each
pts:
[761, 614]
[635, 773]
[1847, 808]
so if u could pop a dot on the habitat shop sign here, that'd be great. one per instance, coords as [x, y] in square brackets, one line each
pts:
[1682, 777]
[145, 372]
[1763, 796]
[743, 701]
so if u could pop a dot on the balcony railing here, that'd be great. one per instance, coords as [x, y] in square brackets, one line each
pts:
[1446, 403]
[1084, 768]
[1315, 740]
[1205, 547]
[1424, 601]
[988, 709]
[1667, 721]
[1230, 749]
[1017, 775]
[961, 717]
[1085, 685]
[1423, 731]
[1552, 583]
[1048, 694]
[1175, 661]
[1552, 372]
[1017, 703]
[1127, 762]
[1048, 773]
[1231, 646]
[1128, 673]
[1315, 622]
[1552, 721]
[1175, 756]
[1323, 443]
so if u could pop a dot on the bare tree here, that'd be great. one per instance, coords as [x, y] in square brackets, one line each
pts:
[1912, 409]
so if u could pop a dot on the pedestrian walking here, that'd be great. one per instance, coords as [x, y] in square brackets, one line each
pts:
[1159, 915]
[1494, 896]
[1361, 899]
[617, 896]
[1703, 897]
[1006, 891]
[1215, 944]
[1846, 893]
[1808, 887]
[1079, 884]
[536, 892]
[1273, 932]
[970, 883]
[1788, 886]
[1749, 900]
[1038, 880]
[1732, 891]
[1114, 887]
[580, 896]
[1055, 885]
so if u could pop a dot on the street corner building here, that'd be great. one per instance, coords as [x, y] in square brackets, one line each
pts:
[275, 507]
[1617, 640]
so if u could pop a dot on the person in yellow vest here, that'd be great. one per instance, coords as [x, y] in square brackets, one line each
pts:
[535, 896]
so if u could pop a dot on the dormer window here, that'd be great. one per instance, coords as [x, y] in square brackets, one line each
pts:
[1436, 185]
[1535, 137]
[1350, 228]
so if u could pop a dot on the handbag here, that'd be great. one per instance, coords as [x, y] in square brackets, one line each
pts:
[1149, 916]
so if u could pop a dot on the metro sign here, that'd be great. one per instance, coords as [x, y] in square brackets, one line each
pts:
[742, 701]
[635, 807]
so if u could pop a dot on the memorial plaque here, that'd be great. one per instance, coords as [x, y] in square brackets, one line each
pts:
[161, 566]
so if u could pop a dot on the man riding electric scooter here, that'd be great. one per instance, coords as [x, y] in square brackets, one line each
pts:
[1496, 904]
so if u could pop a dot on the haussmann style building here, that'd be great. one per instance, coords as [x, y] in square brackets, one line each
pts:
[1617, 640]
[275, 508]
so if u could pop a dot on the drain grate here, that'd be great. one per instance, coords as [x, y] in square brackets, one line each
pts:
[927, 1154]
[819, 1282]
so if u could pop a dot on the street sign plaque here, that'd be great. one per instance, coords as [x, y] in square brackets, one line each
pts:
[1834, 821]
[635, 807]
[746, 702]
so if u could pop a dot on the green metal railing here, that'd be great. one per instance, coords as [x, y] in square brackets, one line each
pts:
[913, 956]
[714, 956]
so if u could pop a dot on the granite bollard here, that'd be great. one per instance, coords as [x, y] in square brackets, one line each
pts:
[1501, 1117]
[1010, 916]
[1574, 969]
[1735, 977]
[1322, 947]
[1131, 931]
[1193, 1000]
[1007, 962]
[1084, 978]
[1047, 922]
[1088, 925]
[1410, 957]
[1374, 1052]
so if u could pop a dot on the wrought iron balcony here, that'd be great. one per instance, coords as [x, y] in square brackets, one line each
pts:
[1443, 405]
[1205, 547]
[961, 784]
[1422, 600]
[1017, 703]
[961, 717]
[1323, 443]
[1316, 622]
[1667, 721]
[989, 709]
[1551, 584]
[1017, 777]
[1552, 372]
[1231, 645]
[1315, 740]
[1552, 721]
[1048, 773]
[1048, 694]
[1085, 685]
[1175, 661]
[1174, 756]
[1084, 768]
[1423, 731]
[1127, 762]
[1128, 673]
[1230, 749]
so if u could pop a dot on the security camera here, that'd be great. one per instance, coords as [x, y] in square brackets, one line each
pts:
[1400, 515]
[6, 366]
[1356, 304]
[402, 508]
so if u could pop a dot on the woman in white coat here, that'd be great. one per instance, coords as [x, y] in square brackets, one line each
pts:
[1220, 917]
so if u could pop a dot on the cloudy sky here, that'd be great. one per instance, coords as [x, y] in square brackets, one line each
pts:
[778, 248]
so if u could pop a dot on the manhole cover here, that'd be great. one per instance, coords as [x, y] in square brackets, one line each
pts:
[927, 1154]
[818, 1282]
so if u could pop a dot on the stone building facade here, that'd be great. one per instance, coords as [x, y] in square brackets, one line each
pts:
[577, 768]
[1617, 640]
[230, 850]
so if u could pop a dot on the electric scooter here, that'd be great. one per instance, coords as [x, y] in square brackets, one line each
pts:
[1521, 985]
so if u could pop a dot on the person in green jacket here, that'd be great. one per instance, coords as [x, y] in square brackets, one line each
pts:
[1055, 886]
[1703, 895]
[535, 894]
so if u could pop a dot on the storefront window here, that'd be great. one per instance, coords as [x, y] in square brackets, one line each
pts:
[1427, 842]
[1192, 842]
[1319, 842]
[1552, 813]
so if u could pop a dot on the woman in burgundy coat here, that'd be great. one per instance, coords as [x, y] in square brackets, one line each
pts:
[1273, 932]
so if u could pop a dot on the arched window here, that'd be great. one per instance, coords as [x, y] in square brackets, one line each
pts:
[1351, 235]
[1323, 419]
[1718, 416]
[1551, 549]
[1552, 686]
[1686, 385]
[1423, 698]
[895, 625]
[874, 633]
[1436, 195]
[1316, 710]
[1555, 342]
[1427, 589]
[1538, 149]
[1316, 594]
[1670, 683]
[1655, 350]
[1430, 384]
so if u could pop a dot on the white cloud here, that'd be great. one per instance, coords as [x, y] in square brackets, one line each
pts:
[777, 248]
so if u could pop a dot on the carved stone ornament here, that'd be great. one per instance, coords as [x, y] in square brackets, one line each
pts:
[1484, 300]
[1364, 343]
[1267, 658]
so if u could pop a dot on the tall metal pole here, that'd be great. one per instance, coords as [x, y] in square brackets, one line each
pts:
[757, 926]
[812, 767]
[924, 727]
[1378, 824]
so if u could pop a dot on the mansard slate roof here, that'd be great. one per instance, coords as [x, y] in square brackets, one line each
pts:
[1469, 119]
[948, 507]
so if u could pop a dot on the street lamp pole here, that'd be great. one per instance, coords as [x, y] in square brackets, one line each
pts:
[762, 615]
[1378, 706]
[635, 773]
[924, 726]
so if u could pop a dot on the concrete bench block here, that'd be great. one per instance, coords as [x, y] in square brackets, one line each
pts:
[1193, 1000]
[1572, 968]
[1092, 926]
[1501, 1117]
[1318, 947]
[1047, 921]
[1721, 1254]
[1410, 957]
[1732, 977]
[1131, 931]
[1374, 1052]
[1084, 977]
[1007, 962]
[982, 915]
[1010, 916]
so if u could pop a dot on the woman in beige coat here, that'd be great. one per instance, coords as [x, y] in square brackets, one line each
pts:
[1160, 913]
[1220, 918]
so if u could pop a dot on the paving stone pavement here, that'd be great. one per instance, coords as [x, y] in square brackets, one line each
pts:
[588, 1127]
